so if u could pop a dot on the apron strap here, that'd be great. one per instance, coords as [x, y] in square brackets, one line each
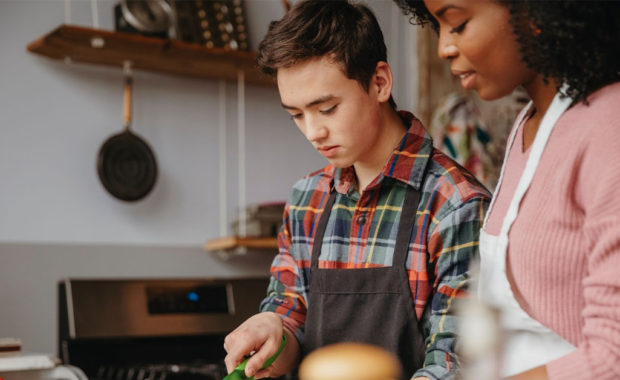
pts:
[320, 230]
[403, 237]
[511, 139]
[554, 112]
[405, 227]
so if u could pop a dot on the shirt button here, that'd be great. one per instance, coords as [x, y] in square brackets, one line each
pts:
[361, 220]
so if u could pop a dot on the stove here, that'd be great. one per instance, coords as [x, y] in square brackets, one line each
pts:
[152, 329]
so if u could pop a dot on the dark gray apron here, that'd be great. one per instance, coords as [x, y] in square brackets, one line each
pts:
[370, 305]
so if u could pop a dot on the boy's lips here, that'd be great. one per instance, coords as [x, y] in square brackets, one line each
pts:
[328, 150]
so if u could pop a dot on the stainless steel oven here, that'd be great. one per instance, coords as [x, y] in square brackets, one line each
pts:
[152, 329]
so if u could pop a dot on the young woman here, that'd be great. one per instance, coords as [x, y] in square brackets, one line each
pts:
[550, 245]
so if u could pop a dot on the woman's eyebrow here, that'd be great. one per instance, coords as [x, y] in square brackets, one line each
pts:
[444, 9]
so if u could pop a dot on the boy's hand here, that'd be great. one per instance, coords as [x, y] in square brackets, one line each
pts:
[261, 334]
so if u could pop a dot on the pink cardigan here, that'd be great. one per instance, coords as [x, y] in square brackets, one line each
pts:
[564, 250]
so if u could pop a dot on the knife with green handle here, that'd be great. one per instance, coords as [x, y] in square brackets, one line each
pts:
[239, 372]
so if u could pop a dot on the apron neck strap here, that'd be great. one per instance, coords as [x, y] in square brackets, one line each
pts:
[403, 237]
[405, 227]
[554, 112]
[320, 230]
[511, 138]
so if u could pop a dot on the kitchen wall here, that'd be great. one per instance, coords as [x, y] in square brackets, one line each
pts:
[56, 219]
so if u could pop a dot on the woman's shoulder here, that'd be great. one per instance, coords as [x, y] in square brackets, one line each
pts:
[590, 134]
[598, 118]
[601, 104]
[608, 92]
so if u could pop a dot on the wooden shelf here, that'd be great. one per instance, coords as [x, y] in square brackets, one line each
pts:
[86, 45]
[232, 242]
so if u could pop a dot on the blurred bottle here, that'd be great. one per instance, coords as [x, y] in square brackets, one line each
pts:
[480, 336]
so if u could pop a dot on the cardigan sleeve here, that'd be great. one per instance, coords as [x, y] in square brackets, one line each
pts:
[598, 187]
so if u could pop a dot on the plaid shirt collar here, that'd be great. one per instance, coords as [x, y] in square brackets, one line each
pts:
[406, 164]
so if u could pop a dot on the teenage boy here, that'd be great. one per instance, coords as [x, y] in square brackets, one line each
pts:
[375, 247]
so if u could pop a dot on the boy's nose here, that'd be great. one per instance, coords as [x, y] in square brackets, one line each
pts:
[316, 131]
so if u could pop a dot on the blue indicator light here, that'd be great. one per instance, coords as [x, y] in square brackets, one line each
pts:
[192, 296]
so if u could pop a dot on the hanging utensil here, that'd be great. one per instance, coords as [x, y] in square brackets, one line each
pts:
[126, 164]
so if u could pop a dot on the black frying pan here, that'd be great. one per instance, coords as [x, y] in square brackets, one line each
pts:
[126, 164]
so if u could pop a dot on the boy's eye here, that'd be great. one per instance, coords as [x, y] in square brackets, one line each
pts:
[460, 28]
[296, 116]
[329, 110]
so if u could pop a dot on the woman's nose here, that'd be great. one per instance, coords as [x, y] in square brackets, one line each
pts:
[446, 49]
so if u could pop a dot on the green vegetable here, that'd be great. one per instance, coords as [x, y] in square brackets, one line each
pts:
[239, 372]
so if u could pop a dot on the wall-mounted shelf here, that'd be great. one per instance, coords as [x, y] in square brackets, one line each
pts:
[96, 46]
[233, 242]
[76, 44]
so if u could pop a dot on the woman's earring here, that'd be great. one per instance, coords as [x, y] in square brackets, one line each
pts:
[535, 29]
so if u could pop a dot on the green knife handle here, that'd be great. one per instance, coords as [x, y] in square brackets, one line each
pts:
[275, 356]
[239, 372]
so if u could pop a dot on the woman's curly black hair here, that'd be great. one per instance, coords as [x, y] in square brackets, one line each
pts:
[575, 42]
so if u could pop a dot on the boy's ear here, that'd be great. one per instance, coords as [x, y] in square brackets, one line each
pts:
[382, 81]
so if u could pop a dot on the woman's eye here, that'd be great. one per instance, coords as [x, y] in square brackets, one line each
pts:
[329, 110]
[460, 28]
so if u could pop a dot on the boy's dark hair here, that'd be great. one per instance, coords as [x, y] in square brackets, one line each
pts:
[577, 43]
[347, 33]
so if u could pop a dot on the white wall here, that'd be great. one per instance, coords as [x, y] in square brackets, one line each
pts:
[56, 219]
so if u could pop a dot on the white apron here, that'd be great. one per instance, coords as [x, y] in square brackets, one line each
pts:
[527, 343]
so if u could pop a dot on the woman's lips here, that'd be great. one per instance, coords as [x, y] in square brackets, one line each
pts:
[467, 78]
[328, 151]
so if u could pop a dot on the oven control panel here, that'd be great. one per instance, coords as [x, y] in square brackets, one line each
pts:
[198, 299]
[106, 308]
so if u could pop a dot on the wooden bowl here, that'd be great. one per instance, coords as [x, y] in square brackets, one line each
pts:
[350, 361]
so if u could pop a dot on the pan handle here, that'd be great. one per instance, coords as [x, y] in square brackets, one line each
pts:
[127, 95]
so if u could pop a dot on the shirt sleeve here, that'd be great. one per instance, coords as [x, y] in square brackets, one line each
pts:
[287, 291]
[453, 243]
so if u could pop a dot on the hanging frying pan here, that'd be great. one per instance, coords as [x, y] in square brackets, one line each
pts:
[126, 164]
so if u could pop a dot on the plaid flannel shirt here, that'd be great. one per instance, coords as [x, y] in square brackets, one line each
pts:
[449, 217]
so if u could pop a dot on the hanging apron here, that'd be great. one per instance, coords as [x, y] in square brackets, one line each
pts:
[369, 305]
[527, 343]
